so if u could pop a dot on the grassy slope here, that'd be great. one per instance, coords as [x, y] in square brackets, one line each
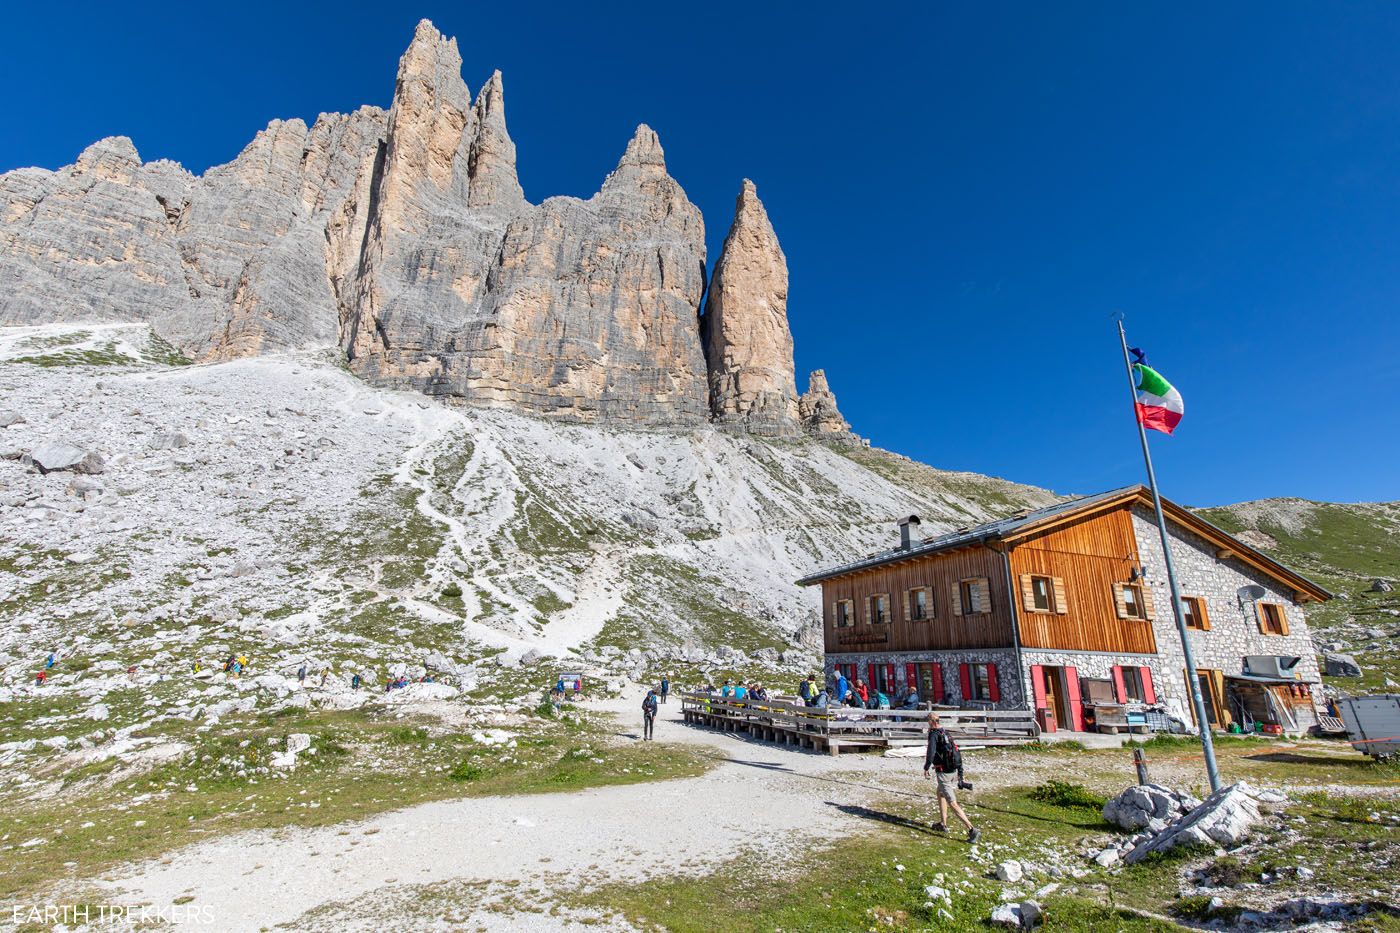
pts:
[1343, 547]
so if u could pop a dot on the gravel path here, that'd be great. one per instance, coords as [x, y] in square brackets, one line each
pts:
[763, 798]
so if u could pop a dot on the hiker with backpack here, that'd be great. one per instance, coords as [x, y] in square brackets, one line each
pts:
[665, 687]
[648, 715]
[945, 759]
[807, 690]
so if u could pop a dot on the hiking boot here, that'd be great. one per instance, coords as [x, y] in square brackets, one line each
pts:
[939, 827]
[973, 835]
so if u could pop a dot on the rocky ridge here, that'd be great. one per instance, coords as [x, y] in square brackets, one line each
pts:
[404, 238]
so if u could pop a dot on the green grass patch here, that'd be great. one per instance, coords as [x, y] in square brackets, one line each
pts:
[1066, 794]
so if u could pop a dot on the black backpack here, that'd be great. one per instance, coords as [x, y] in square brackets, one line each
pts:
[947, 757]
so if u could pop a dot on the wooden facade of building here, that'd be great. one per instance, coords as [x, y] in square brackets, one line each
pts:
[1091, 558]
[944, 624]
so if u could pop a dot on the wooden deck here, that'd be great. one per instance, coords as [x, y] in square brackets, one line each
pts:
[788, 721]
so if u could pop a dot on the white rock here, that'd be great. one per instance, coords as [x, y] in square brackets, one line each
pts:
[1006, 915]
[1010, 871]
[60, 455]
[1224, 818]
[298, 742]
[1107, 858]
[1138, 806]
[99, 712]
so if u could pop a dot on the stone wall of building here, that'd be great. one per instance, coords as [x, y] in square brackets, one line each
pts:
[1012, 686]
[1234, 631]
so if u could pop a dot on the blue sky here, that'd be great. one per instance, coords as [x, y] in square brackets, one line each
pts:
[965, 193]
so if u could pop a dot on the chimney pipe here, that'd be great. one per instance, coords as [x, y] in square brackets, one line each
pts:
[906, 526]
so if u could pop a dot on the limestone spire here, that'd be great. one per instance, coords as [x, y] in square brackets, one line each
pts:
[747, 340]
[430, 111]
[642, 161]
[491, 161]
[820, 416]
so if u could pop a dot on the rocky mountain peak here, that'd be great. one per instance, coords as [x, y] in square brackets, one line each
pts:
[432, 67]
[642, 166]
[404, 238]
[748, 343]
[113, 159]
[493, 183]
[820, 416]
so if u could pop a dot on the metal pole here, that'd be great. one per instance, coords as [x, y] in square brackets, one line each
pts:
[1193, 680]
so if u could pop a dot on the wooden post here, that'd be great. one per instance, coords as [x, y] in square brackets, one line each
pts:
[1140, 762]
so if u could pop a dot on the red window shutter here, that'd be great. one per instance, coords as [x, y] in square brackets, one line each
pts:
[911, 677]
[937, 683]
[889, 678]
[992, 682]
[966, 676]
[1076, 706]
[1038, 685]
[1149, 695]
[1119, 691]
[870, 677]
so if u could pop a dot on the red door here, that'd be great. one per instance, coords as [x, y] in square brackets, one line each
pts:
[1076, 707]
[1149, 695]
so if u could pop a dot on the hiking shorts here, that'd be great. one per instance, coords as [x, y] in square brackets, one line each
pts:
[947, 786]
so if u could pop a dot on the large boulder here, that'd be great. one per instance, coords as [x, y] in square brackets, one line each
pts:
[60, 455]
[1147, 806]
[1224, 818]
[1340, 665]
[1381, 586]
[170, 440]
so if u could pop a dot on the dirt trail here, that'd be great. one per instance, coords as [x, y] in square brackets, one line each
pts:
[762, 798]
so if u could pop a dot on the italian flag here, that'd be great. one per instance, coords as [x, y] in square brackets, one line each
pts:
[1159, 405]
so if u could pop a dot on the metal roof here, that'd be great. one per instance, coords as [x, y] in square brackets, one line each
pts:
[967, 536]
[1021, 521]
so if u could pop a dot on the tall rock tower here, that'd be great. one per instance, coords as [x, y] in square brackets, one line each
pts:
[747, 342]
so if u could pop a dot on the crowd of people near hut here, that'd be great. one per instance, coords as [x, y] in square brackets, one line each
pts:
[854, 694]
[814, 692]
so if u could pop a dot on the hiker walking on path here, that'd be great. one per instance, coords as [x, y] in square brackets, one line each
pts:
[648, 715]
[301, 674]
[945, 759]
[665, 688]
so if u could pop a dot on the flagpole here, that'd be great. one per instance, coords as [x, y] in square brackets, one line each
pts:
[1193, 680]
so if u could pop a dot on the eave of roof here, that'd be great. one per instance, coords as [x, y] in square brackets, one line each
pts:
[1009, 531]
